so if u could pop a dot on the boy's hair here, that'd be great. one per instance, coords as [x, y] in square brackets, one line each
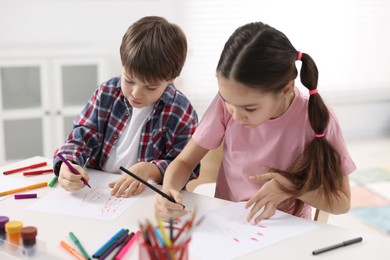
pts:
[153, 49]
[262, 57]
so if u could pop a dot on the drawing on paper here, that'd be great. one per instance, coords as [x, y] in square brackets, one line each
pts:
[242, 231]
[110, 203]
[90, 203]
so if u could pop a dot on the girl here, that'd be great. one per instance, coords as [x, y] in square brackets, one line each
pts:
[281, 150]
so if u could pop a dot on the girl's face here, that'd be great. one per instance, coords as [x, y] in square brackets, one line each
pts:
[141, 94]
[251, 107]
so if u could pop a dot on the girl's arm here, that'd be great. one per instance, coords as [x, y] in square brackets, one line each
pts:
[340, 203]
[175, 178]
[179, 170]
[270, 195]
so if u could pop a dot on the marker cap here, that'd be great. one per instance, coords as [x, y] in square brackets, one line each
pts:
[12, 227]
[28, 235]
[25, 196]
[3, 221]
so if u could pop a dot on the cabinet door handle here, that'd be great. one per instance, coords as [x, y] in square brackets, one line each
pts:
[58, 112]
[47, 112]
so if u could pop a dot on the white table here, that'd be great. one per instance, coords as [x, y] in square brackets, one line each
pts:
[53, 228]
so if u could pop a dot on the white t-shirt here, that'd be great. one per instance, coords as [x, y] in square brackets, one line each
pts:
[125, 151]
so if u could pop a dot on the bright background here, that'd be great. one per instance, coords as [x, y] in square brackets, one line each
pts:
[348, 39]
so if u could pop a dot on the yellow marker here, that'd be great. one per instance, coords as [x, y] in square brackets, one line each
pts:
[30, 187]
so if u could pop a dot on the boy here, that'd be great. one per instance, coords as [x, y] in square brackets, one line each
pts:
[139, 121]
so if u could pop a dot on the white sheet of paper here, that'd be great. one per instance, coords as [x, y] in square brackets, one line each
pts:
[225, 233]
[10, 183]
[90, 203]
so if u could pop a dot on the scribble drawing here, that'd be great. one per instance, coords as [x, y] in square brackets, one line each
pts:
[241, 232]
[110, 204]
[93, 195]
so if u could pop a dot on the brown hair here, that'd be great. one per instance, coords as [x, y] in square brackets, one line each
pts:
[153, 49]
[262, 57]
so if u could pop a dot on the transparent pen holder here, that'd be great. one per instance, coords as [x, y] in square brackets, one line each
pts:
[21, 251]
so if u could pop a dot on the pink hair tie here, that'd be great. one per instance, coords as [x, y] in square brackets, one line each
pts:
[319, 135]
[299, 55]
[313, 91]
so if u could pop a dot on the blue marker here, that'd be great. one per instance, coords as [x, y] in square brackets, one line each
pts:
[109, 242]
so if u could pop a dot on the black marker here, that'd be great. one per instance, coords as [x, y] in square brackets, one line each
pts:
[149, 185]
[342, 244]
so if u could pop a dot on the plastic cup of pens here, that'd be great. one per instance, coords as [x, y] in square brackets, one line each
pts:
[155, 245]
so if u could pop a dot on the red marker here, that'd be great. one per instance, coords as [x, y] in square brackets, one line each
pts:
[37, 172]
[26, 168]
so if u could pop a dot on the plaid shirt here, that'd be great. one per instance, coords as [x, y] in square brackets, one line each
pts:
[97, 128]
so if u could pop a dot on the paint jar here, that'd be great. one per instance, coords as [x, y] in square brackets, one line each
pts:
[3, 221]
[13, 231]
[29, 235]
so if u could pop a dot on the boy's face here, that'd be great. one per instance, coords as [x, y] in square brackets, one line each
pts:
[141, 94]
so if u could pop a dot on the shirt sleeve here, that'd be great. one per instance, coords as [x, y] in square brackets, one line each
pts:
[179, 128]
[211, 129]
[83, 137]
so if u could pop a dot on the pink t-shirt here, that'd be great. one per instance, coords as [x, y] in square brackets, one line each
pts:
[251, 151]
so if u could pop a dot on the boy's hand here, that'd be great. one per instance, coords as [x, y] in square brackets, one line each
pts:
[166, 210]
[70, 181]
[127, 186]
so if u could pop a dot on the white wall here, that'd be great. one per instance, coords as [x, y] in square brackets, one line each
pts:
[348, 39]
[73, 26]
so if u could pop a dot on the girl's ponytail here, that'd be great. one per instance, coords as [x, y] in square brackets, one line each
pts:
[319, 166]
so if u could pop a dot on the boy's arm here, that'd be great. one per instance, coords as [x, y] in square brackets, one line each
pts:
[83, 138]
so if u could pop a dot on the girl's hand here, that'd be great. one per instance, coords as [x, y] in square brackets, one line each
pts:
[70, 181]
[268, 196]
[166, 210]
[126, 185]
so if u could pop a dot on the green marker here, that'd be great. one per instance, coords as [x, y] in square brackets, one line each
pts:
[53, 181]
[78, 244]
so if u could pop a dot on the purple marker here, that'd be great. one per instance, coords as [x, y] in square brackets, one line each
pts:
[72, 169]
[25, 196]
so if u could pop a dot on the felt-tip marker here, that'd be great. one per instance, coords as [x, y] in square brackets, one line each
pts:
[335, 246]
[72, 169]
[149, 185]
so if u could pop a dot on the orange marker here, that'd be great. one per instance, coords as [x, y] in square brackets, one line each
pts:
[30, 187]
[72, 250]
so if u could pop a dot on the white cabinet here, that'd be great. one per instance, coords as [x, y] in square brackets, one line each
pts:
[39, 98]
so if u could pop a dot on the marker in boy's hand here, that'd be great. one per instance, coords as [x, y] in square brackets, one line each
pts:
[69, 175]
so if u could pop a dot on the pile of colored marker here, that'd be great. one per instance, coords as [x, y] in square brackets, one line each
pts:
[166, 242]
[29, 187]
[120, 242]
